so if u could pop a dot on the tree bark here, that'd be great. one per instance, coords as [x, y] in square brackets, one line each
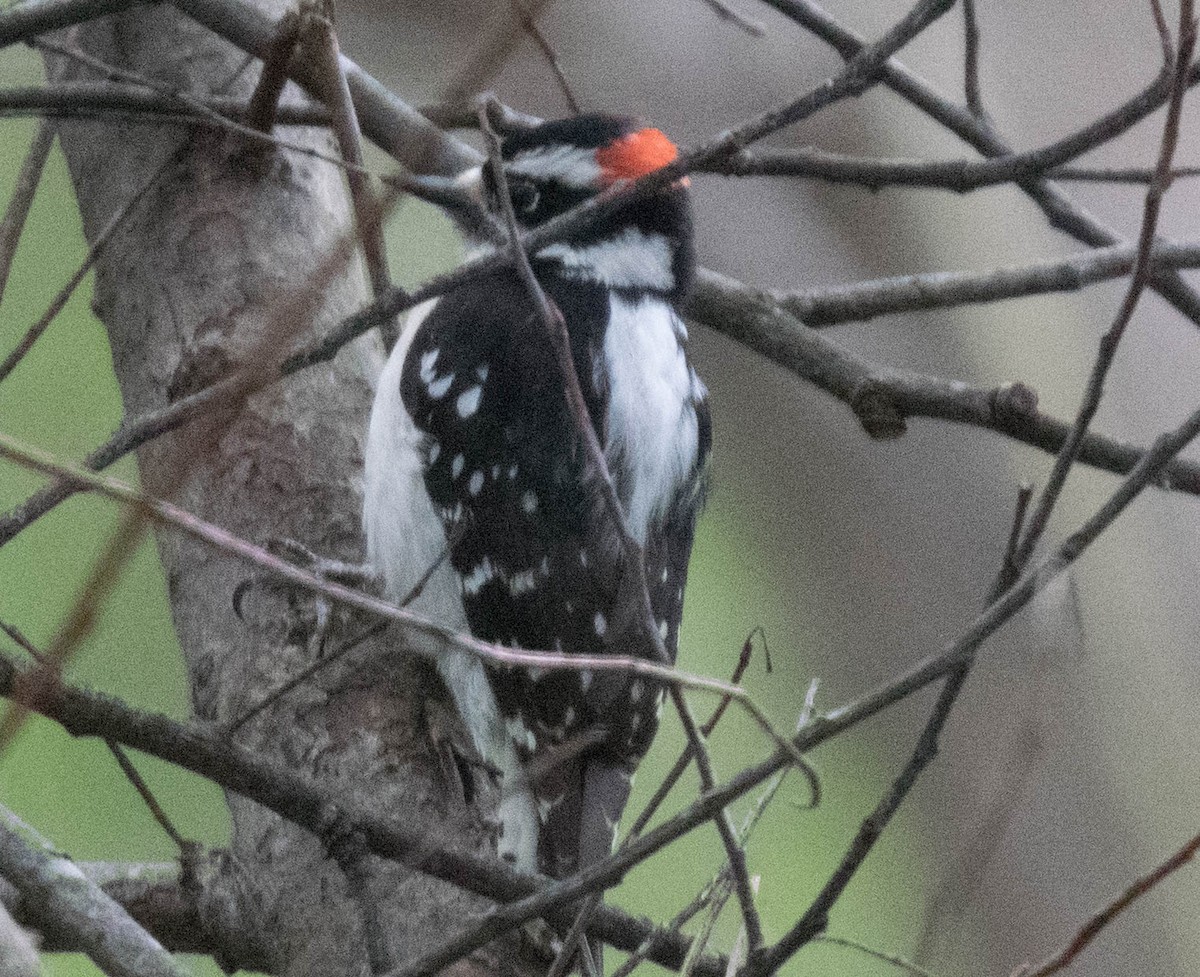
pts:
[229, 232]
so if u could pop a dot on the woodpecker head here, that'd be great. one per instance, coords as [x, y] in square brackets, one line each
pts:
[555, 166]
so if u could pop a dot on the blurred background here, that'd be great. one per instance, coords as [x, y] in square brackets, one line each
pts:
[1069, 766]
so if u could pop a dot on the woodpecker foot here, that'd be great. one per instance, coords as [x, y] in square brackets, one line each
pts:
[314, 617]
[458, 760]
[343, 842]
[538, 936]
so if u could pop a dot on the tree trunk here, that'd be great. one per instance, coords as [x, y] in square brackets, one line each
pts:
[229, 232]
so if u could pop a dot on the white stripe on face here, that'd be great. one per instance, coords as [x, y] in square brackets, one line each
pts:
[569, 165]
[631, 258]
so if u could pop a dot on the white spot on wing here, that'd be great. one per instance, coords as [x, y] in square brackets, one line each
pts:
[522, 583]
[482, 572]
[600, 624]
[437, 388]
[427, 363]
[476, 483]
[637, 689]
[481, 372]
[585, 679]
[456, 466]
[512, 472]
[529, 502]
[520, 733]
[468, 401]
[663, 629]
[435, 449]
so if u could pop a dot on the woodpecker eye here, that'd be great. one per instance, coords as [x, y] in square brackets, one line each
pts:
[524, 195]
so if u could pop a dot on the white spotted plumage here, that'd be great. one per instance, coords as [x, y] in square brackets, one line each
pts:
[486, 435]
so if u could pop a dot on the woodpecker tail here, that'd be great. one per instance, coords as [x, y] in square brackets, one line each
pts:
[581, 825]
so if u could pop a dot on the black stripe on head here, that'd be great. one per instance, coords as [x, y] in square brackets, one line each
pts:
[583, 131]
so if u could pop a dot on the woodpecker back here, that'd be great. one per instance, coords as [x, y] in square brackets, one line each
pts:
[472, 400]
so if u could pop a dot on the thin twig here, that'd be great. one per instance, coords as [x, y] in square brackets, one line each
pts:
[22, 199]
[207, 751]
[946, 289]
[127, 768]
[275, 694]
[971, 58]
[1094, 926]
[1107, 352]
[95, 249]
[264, 100]
[137, 102]
[323, 43]
[18, 638]
[893, 959]
[1164, 34]
[425, 636]
[1060, 210]
[217, 111]
[530, 25]
[727, 13]
[147, 796]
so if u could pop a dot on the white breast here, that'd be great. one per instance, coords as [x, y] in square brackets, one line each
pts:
[653, 434]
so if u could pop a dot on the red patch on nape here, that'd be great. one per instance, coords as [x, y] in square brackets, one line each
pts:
[635, 155]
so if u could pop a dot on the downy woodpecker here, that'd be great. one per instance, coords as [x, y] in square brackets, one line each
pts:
[471, 442]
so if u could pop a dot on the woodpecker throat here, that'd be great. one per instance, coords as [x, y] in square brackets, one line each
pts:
[471, 441]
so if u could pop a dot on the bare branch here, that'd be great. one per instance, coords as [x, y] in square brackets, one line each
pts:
[946, 289]
[396, 128]
[81, 99]
[529, 23]
[21, 21]
[208, 751]
[1141, 277]
[95, 249]
[22, 199]
[322, 41]
[497, 40]
[728, 13]
[262, 109]
[1094, 926]
[971, 58]
[62, 899]
[1059, 209]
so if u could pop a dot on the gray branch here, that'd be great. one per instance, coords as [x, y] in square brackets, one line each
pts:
[62, 901]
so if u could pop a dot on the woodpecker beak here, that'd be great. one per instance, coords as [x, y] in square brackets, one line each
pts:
[468, 209]
[471, 182]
